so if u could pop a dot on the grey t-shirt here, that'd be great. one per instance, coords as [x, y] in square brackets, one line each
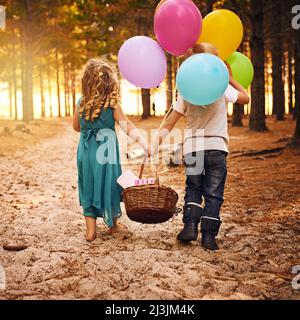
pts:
[206, 126]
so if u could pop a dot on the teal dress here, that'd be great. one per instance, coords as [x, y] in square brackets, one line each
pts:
[98, 163]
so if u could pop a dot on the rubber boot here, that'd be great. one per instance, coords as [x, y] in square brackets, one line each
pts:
[191, 219]
[210, 229]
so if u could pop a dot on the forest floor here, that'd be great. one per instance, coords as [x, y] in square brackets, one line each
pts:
[259, 240]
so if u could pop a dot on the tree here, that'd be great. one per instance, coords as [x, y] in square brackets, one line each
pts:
[297, 86]
[29, 20]
[28, 47]
[290, 76]
[257, 115]
[58, 83]
[277, 60]
[43, 111]
[7, 71]
[238, 111]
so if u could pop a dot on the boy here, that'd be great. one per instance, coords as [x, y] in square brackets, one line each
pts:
[205, 152]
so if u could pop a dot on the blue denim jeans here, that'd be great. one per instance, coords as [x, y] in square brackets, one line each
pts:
[206, 173]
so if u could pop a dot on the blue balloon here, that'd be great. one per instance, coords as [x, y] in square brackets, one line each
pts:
[202, 79]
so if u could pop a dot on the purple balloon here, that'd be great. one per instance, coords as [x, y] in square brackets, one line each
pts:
[177, 25]
[142, 62]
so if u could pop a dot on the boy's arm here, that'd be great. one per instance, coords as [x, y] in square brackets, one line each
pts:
[165, 128]
[129, 128]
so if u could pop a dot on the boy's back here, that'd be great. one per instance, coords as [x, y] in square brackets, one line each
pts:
[208, 122]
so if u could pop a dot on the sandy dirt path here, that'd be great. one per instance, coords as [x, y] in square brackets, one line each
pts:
[39, 205]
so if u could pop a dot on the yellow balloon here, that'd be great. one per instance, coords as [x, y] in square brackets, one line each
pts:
[224, 29]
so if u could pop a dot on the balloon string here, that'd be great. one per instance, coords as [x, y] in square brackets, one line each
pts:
[204, 107]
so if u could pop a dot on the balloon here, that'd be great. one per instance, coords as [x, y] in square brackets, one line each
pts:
[242, 69]
[224, 29]
[177, 25]
[202, 79]
[142, 62]
[160, 4]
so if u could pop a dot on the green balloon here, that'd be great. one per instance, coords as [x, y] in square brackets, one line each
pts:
[242, 69]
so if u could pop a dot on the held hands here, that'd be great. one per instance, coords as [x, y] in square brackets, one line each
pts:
[150, 151]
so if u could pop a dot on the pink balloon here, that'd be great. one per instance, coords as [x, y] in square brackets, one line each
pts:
[142, 62]
[177, 25]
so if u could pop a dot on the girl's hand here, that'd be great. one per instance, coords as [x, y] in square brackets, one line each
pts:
[243, 97]
[229, 70]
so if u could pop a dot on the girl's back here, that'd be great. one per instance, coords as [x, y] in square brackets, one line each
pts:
[98, 157]
[105, 120]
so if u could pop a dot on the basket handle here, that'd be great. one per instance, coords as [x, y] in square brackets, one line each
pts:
[143, 167]
[153, 170]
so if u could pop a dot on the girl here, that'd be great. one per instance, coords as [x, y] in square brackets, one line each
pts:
[98, 159]
[205, 152]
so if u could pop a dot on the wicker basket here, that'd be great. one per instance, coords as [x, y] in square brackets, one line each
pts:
[150, 203]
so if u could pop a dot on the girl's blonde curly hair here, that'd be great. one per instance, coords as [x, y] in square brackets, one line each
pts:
[100, 89]
[203, 47]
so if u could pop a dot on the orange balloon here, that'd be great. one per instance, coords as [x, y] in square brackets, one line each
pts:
[224, 29]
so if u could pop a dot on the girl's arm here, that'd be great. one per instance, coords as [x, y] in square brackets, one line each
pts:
[165, 128]
[76, 123]
[243, 97]
[129, 128]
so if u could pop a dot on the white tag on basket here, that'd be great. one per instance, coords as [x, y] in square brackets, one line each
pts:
[127, 179]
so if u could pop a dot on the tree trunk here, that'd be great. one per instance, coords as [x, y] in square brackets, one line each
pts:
[73, 88]
[238, 111]
[22, 65]
[297, 87]
[257, 116]
[267, 83]
[146, 100]
[43, 111]
[277, 66]
[28, 85]
[169, 82]
[142, 27]
[15, 83]
[49, 92]
[57, 83]
[67, 87]
[27, 63]
[11, 108]
[290, 77]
